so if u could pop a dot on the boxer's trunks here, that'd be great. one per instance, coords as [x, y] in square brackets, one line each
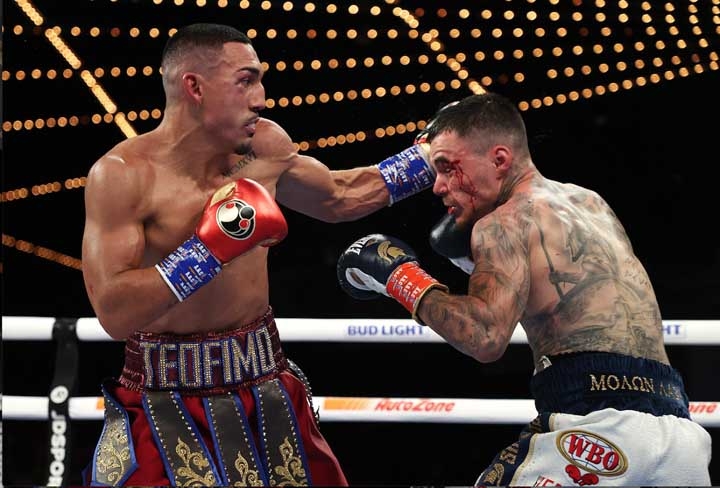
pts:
[605, 419]
[214, 409]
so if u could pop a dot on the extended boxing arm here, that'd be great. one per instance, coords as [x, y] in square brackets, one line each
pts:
[308, 186]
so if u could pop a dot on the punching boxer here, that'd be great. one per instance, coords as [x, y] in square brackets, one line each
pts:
[178, 224]
[554, 257]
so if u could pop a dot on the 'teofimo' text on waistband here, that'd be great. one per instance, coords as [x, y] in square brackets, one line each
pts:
[172, 365]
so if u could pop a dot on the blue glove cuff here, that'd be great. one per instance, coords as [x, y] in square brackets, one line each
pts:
[406, 173]
[188, 267]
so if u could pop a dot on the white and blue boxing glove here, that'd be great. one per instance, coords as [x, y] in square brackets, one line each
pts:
[409, 171]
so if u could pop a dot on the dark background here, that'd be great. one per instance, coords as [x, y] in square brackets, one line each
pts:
[650, 150]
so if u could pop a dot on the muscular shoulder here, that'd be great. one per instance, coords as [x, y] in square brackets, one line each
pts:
[560, 215]
[271, 142]
[120, 174]
[512, 216]
[544, 206]
[579, 195]
[119, 164]
[569, 203]
[507, 230]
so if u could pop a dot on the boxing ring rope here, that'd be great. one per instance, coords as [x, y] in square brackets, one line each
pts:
[355, 409]
[676, 332]
[364, 409]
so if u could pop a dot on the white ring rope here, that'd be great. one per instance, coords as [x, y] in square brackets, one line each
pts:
[355, 409]
[363, 409]
[683, 332]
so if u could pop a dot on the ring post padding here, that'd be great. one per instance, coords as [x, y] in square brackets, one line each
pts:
[58, 411]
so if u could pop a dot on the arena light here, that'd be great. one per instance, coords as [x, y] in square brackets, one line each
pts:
[99, 72]
[431, 39]
[64, 50]
[660, 25]
[452, 62]
[370, 92]
[41, 252]
[81, 120]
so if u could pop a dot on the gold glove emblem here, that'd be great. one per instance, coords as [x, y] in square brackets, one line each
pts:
[223, 192]
[389, 252]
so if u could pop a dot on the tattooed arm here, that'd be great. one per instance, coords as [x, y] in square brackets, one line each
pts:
[481, 323]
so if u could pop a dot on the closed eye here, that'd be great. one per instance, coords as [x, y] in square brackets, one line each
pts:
[444, 166]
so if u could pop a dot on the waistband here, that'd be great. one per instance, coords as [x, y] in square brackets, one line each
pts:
[583, 382]
[207, 363]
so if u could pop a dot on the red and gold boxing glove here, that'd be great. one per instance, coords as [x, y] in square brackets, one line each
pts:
[378, 264]
[238, 217]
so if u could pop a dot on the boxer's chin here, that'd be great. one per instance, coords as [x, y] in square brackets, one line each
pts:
[243, 148]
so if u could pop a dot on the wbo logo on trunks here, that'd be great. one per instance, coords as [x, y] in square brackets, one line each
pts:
[592, 453]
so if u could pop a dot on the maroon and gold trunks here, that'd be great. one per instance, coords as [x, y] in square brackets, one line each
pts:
[224, 408]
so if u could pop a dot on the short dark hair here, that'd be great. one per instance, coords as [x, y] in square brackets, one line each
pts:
[487, 113]
[211, 36]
